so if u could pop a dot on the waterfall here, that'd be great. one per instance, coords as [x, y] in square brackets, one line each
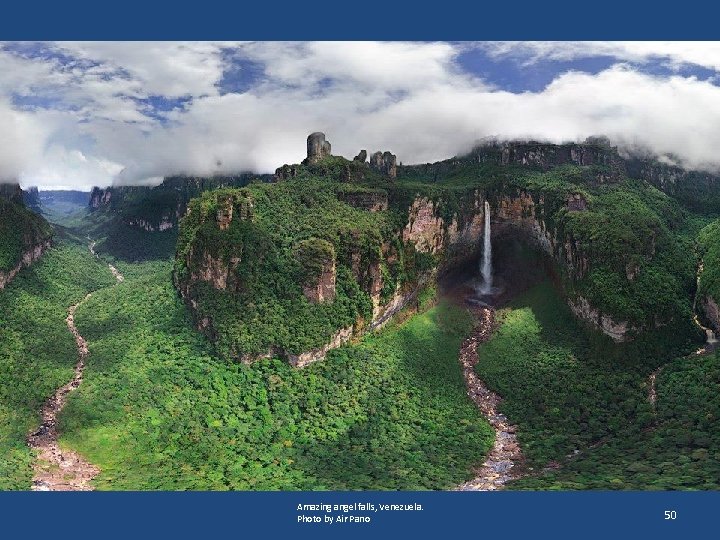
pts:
[710, 338]
[486, 263]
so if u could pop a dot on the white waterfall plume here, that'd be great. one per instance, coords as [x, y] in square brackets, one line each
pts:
[486, 262]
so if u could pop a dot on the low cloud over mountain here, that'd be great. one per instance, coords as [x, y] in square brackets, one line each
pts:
[78, 114]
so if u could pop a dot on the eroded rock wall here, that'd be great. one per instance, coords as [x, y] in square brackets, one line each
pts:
[28, 257]
[712, 312]
[526, 214]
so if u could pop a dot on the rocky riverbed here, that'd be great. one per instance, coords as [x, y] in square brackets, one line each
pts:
[505, 461]
[57, 469]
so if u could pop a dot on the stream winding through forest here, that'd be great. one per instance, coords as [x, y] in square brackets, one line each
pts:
[710, 345]
[56, 469]
[505, 460]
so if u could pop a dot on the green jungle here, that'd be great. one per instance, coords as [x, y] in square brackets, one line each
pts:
[208, 364]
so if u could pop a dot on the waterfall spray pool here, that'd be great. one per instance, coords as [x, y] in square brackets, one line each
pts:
[486, 262]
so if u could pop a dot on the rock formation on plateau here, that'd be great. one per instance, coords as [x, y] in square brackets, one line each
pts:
[337, 248]
[317, 147]
[385, 163]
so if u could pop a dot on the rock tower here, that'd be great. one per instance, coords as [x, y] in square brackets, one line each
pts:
[317, 147]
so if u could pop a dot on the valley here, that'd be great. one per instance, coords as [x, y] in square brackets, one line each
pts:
[337, 327]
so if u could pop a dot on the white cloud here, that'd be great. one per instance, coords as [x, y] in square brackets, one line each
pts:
[410, 98]
[676, 53]
[172, 69]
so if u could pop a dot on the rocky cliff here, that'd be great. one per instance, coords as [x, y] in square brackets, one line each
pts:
[324, 262]
[708, 275]
[31, 199]
[711, 310]
[320, 162]
[159, 208]
[529, 215]
[303, 265]
[27, 257]
[24, 235]
[11, 192]
[602, 161]
[317, 148]
[699, 190]
[385, 163]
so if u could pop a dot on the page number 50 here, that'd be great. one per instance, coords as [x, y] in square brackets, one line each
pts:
[670, 514]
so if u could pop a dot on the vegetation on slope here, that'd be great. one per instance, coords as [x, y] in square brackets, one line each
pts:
[37, 352]
[679, 449]
[20, 230]
[565, 386]
[709, 244]
[263, 304]
[633, 237]
[630, 235]
[157, 411]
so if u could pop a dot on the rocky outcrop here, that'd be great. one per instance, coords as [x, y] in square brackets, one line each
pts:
[165, 224]
[286, 172]
[361, 157]
[712, 311]
[11, 192]
[208, 265]
[424, 228]
[338, 339]
[582, 309]
[576, 203]
[27, 258]
[317, 259]
[240, 206]
[100, 197]
[385, 163]
[215, 270]
[322, 288]
[317, 148]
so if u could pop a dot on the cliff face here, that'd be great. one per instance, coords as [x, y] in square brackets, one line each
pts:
[160, 208]
[249, 248]
[24, 235]
[299, 266]
[456, 239]
[698, 190]
[29, 256]
[603, 161]
[527, 214]
[208, 264]
[385, 163]
[31, 199]
[100, 197]
[11, 192]
[712, 312]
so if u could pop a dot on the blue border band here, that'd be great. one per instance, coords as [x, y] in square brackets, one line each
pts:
[369, 19]
[458, 515]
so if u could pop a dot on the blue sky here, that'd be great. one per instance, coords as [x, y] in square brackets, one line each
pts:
[95, 113]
